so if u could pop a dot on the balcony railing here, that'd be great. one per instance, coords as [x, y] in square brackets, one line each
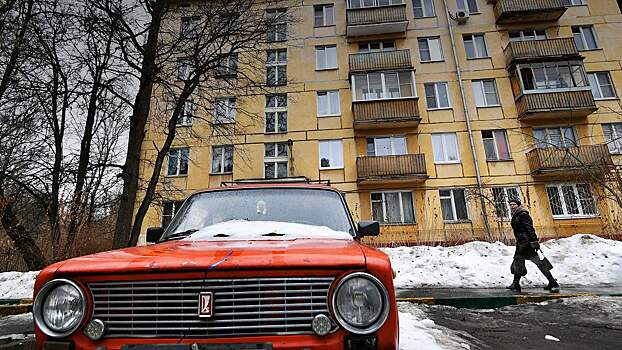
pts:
[594, 159]
[376, 20]
[560, 104]
[386, 113]
[384, 60]
[523, 11]
[541, 50]
[405, 167]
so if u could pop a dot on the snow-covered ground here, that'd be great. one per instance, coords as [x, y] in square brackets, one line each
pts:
[419, 332]
[17, 285]
[580, 260]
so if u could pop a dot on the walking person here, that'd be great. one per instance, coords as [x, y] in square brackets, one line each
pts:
[526, 248]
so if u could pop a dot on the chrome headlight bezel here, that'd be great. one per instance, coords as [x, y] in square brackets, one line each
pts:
[37, 307]
[386, 305]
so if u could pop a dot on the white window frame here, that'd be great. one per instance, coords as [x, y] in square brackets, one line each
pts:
[187, 114]
[425, 6]
[188, 28]
[452, 198]
[392, 143]
[569, 3]
[365, 46]
[564, 206]
[546, 67]
[616, 137]
[276, 65]
[444, 144]
[548, 143]
[496, 147]
[334, 156]
[328, 94]
[179, 151]
[533, 37]
[385, 91]
[228, 65]
[504, 201]
[480, 87]
[375, 3]
[436, 95]
[276, 159]
[384, 207]
[274, 112]
[476, 48]
[230, 104]
[184, 69]
[593, 77]
[175, 205]
[583, 40]
[279, 27]
[325, 15]
[430, 51]
[322, 54]
[222, 149]
[463, 5]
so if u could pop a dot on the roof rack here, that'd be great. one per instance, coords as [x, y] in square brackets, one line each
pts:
[295, 179]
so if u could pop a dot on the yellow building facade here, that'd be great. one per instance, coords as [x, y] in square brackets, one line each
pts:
[376, 104]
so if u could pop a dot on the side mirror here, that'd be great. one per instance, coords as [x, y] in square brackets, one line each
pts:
[368, 228]
[154, 234]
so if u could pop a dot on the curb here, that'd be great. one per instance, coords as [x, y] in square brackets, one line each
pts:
[490, 302]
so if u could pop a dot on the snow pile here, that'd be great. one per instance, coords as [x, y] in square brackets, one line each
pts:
[265, 230]
[578, 260]
[17, 285]
[418, 332]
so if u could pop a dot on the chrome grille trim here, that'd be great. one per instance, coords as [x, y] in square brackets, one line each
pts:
[242, 307]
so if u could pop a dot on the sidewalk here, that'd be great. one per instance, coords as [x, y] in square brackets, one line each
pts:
[490, 298]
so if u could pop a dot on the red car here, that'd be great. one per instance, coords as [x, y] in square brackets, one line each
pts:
[274, 266]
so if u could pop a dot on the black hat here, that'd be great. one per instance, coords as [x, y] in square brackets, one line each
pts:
[515, 200]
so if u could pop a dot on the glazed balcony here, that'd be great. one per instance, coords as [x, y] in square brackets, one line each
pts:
[525, 11]
[383, 60]
[541, 51]
[389, 113]
[570, 161]
[400, 168]
[376, 20]
[556, 104]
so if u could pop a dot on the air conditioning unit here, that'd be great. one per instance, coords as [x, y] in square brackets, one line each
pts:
[462, 17]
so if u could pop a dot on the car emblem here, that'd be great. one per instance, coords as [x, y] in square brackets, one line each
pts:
[206, 304]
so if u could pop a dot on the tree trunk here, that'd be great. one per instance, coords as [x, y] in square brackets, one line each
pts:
[16, 49]
[20, 237]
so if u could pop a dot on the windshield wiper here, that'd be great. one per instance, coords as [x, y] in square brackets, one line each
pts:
[180, 235]
[273, 234]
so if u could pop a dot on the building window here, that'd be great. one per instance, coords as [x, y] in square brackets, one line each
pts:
[430, 49]
[574, 2]
[613, 136]
[423, 8]
[323, 15]
[571, 200]
[475, 46]
[485, 92]
[277, 25]
[386, 146]
[228, 65]
[275, 160]
[445, 148]
[177, 164]
[190, 27]
[225, 110]
[373, 86]
[585, 38]
[276, 67]
[501, 196]
[331, 154]
[436, 95]
[601, 85]
[552, 76]
[469, 6]
[355, 4]
[222, 159]
[496, 145]
[184, 68]
[168, 212]
[187, 114]
[393, 207]
[276, 113]
[453, 205]
[325, 57]
[528, 35]
[376, 46]
[563, 136]
[328, 103]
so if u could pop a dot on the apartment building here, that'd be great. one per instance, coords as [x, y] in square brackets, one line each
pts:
[430, 114]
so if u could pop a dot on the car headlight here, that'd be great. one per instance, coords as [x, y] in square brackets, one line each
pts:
[59, 308]
[361, 303]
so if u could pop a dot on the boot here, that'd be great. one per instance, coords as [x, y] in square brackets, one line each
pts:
[515, 286]
[553, 286]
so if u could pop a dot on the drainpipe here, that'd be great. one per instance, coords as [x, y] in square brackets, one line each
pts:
[480, 188]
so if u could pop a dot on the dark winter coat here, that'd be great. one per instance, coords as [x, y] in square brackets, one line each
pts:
[522, 225]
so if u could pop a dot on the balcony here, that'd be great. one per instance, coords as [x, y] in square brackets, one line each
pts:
[393, 113]
[570, 161]
[525, 11]
[376, 20]
[383, 169]
[384, 60]
[541, 51]
[555, 105]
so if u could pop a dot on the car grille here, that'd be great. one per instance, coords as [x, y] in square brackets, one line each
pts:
[242, 307]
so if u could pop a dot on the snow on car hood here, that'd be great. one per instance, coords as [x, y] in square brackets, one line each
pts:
[265, 230]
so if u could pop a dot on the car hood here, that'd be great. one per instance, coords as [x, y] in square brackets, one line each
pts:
[221, 255]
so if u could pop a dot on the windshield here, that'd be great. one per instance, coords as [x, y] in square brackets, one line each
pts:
[270, 212]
